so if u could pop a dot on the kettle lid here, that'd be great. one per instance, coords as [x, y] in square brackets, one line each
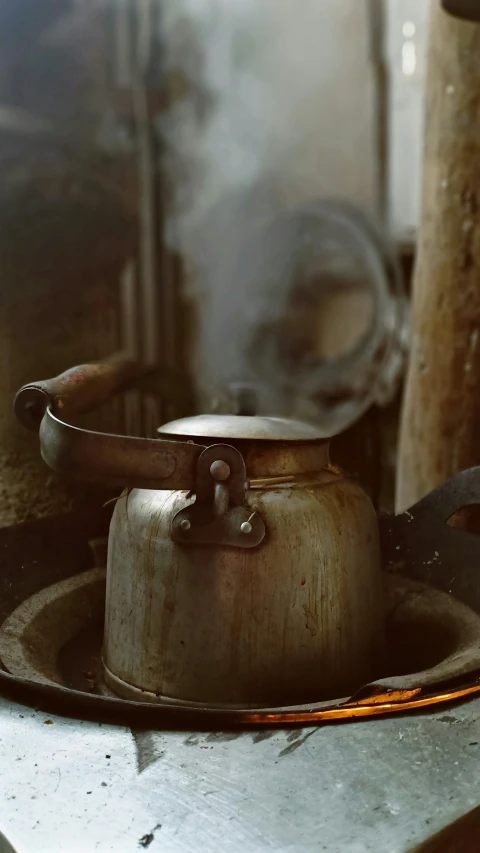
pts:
[243, 427]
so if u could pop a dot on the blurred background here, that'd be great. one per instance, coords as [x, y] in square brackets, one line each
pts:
[104, 108]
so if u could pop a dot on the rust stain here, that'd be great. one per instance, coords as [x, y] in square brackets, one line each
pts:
[312, 623]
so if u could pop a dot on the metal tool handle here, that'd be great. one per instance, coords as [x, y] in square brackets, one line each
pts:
[78, 390]
[421, 545]
[460, 491]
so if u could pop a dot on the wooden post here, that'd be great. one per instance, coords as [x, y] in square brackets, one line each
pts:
[440, 428]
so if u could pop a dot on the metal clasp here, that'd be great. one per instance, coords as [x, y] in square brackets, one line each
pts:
[219, 515]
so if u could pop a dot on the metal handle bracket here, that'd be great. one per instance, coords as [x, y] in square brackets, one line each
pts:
[219, 515]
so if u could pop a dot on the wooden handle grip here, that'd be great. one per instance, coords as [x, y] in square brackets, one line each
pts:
[78, 390]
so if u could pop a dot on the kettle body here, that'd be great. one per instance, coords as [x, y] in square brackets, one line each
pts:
[297, 618]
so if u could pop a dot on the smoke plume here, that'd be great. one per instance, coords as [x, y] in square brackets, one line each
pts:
[244, 77]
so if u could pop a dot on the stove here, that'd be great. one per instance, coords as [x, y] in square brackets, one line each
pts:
[242, 583]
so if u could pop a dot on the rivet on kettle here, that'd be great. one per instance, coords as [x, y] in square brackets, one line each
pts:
[246, 527]
[185, 524]
[220, 471]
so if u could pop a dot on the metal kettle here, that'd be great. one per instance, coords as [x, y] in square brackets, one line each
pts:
[243, 569]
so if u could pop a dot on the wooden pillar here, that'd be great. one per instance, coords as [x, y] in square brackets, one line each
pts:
[440, 428]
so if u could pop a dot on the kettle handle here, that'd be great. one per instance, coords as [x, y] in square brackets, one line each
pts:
[99, 457]
[146, 463]
[117, 460]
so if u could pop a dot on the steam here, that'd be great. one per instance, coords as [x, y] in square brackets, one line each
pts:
[245, 76]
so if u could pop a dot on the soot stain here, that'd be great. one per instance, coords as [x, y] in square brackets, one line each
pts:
[266, 734]
[147, 839]
[148, 749]
[295, 744]
[223, 737]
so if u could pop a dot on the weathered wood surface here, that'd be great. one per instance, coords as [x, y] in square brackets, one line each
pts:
[441, 414]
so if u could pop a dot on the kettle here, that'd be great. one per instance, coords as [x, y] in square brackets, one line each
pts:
[243, 568]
